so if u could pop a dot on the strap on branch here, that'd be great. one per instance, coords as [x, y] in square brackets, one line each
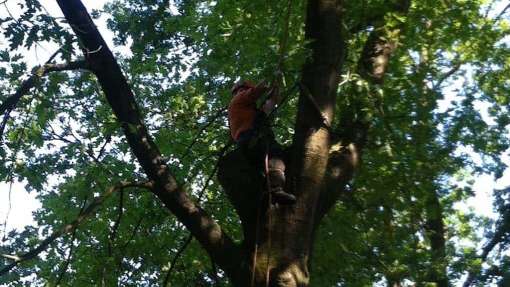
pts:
[309, 96]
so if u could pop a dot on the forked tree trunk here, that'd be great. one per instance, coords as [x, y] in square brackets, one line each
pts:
[278, 243]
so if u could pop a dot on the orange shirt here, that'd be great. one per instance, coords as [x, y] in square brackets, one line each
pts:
[242, 110]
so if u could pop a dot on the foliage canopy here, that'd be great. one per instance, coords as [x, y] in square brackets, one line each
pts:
[437, 122]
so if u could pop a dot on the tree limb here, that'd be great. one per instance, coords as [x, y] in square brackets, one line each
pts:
[121, 98]
[10, 103]
[87, 212]
[502, 232]
[345, 155]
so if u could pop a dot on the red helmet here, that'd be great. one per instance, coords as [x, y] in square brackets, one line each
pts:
[241, 84]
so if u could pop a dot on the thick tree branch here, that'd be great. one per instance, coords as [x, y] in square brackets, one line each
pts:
[10, 103]
[121, 99]
[345, 156]
[343, 161]
[71, 227]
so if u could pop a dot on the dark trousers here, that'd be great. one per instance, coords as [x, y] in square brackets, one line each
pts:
[259, 142]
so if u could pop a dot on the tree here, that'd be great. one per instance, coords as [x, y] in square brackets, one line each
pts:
[362, 82]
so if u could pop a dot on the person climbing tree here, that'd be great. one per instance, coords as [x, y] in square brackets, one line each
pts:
[251, 131]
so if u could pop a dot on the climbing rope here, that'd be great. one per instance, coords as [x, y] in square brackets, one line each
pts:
[269, 213]
[274, 92]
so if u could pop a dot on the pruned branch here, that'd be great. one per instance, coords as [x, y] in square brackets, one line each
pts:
[381, 43]
[71, 227]
[121, 98]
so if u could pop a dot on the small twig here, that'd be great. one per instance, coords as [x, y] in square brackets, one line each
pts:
[135, 230]
[499, 236]
[207, 182]
[11, 257]
[63, 270]
[202, 129]
[115, 227]
[215, 273]
[176, 257]
[11, 180]
[497, 18]
[446, 75]
[102, 149]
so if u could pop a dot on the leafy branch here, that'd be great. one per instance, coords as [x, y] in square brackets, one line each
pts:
[501, 234]
[11, 102]
[71, 227]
